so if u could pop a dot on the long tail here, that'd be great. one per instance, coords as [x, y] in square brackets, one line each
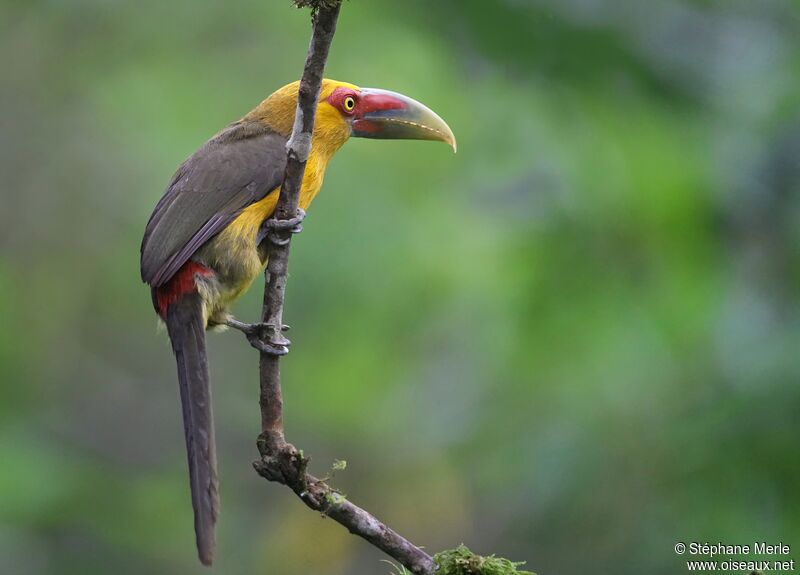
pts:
[187, 331]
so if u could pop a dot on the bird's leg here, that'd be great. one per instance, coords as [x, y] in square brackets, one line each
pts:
[259, 336]
[293, 225]
[250, 328]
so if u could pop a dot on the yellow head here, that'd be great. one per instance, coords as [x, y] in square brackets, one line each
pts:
[346, 110]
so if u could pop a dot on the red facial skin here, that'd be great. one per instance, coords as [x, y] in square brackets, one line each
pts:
[364, 104]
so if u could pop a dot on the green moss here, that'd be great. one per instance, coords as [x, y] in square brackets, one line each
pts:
[316, 4]
[462, 561]
[334, 498]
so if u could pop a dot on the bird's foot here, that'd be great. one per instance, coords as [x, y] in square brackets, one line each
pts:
[293, 225]
[261, 336]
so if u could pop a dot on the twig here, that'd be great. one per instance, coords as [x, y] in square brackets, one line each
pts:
[288, 467]
[280, 461]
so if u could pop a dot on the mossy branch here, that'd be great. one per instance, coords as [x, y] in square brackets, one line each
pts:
[317, 4]
[280, 461]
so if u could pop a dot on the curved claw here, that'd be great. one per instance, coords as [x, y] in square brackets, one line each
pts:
[277, 241]
[268, 347]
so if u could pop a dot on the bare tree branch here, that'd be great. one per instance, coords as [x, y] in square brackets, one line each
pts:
[280, 461]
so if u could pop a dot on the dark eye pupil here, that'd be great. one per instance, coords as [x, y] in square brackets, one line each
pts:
[349, 103]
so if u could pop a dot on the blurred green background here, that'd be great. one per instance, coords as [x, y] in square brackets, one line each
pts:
[573, 343]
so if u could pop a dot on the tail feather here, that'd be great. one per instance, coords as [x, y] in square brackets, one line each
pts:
[186, 330]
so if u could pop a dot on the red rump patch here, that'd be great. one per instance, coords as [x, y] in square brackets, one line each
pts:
[181, 283]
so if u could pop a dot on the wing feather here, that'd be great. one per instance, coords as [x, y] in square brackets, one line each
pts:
[237, 167]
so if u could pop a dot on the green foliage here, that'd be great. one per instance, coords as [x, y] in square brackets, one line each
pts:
[462, 561]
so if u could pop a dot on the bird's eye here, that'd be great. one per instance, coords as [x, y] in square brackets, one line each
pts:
[349, 103]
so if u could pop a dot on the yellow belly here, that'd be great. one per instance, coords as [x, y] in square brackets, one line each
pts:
[233, 253]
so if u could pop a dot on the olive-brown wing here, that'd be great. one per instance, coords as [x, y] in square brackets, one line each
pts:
[237, 167]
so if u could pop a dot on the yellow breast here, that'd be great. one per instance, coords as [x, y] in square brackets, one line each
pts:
[244, 229]
[233, 253]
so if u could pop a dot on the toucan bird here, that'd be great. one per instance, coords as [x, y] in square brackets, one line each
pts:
[205, 242]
